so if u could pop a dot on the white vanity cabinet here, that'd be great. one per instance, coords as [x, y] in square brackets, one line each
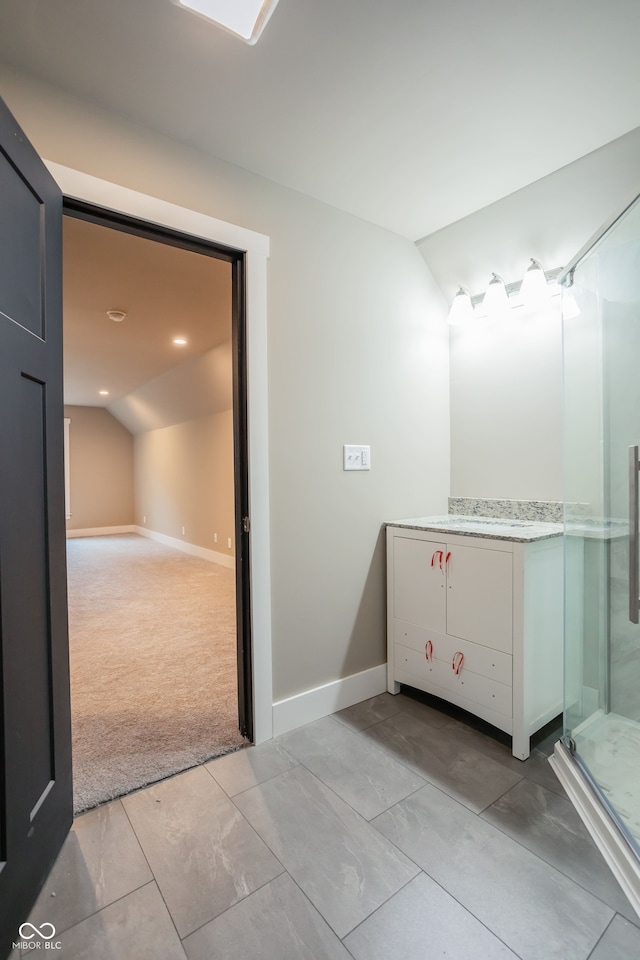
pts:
[478, 622]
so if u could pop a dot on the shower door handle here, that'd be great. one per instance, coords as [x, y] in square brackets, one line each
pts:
[634, 587]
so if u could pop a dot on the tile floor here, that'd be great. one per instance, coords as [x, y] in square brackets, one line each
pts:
[389, 830]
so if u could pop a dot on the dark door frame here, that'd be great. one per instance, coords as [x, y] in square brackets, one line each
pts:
[94, 213]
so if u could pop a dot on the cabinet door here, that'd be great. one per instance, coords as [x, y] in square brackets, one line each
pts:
[480, 596]
[419, 582]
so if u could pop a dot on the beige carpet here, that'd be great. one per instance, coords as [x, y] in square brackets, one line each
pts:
[152, 636]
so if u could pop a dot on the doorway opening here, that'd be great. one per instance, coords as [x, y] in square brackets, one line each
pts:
[170, 412]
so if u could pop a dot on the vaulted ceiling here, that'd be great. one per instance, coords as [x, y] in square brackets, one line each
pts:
[410, 114]
[166, 292]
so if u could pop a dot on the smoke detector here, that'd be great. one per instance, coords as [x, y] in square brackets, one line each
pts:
[116, 315]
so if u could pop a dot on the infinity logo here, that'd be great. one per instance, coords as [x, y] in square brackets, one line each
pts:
[39, 932]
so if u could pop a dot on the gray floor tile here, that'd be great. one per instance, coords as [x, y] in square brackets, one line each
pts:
[546, 746]
[366, 777]
[368, 712]
[549, 826]
[538, 769]
[204, 855]
[244, 769]
[539, 913]
[423, 922]
[276, 922]
[137, 926]
[344, 866]
[101, 861]
[620, 941]
[485, 744]
[444, 759]
[535, 768]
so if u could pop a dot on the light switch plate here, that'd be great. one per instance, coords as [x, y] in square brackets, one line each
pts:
[356, 457]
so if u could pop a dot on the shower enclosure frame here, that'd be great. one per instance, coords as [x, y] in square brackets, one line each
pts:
[618, 845]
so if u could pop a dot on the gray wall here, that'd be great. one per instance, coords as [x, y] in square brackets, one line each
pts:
[357, 354]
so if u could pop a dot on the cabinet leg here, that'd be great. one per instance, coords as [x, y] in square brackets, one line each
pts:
[520, 746]
[393, 687]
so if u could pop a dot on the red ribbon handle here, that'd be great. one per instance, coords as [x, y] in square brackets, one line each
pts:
[456, 663]
[428, 651]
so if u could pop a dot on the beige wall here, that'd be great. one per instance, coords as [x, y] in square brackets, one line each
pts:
[101, 469]
[358, 353]
[184, 478]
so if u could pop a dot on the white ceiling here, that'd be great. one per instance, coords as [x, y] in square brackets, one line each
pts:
[410, 113]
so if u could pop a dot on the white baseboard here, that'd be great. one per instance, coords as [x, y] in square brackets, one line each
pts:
[321, 701]
[222, 558]
[100, 531]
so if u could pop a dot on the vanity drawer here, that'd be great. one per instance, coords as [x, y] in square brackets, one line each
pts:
[478, 659]
[472, 686]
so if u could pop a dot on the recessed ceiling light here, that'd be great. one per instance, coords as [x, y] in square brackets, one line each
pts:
[104, 393]
[179, 341]
[244, 18]
[117, 315]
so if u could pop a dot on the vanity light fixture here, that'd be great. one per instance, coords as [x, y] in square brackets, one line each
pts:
[243, 18]
[503, 301]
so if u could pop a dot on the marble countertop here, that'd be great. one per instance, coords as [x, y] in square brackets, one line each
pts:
[493, 528]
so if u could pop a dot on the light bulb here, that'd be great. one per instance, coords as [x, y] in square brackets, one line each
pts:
[461, 309]
[534, 290]
[496, 299]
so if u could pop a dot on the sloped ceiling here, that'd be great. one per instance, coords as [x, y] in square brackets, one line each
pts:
[411, 114]
[166, 292]
[196, 388]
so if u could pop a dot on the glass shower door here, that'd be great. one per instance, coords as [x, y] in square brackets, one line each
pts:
[601, 335]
